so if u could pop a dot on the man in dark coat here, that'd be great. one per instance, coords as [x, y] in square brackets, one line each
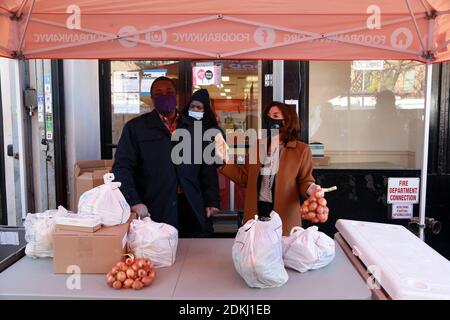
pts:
[151, 182]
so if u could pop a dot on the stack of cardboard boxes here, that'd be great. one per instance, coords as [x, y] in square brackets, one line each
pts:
[88, 174]
[318, 154]
[82, 244]
[91, 252]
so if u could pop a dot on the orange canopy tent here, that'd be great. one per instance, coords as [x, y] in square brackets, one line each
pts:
[235, 29]
[232, 29]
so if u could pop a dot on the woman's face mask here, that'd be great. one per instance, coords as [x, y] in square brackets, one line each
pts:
[166, 104]
[270, 123]
[197, 115]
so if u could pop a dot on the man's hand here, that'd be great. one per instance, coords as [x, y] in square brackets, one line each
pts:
[141, 210]
[210, 211]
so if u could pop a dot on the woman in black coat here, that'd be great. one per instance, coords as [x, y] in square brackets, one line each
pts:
[199, 111]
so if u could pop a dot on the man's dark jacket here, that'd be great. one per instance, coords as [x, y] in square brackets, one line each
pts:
[144, 166]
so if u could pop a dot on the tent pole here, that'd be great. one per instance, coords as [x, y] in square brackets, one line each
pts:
[22, 37]
[19, 12]
[426, 134]
[413, 18]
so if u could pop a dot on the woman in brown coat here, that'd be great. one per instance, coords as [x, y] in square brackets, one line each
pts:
[277, 181]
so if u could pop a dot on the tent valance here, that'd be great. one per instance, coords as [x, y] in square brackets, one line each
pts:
[199, 29]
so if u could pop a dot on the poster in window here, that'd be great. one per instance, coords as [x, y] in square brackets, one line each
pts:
[148, 76]
[206, 75]
[125, 103]
[126, 81]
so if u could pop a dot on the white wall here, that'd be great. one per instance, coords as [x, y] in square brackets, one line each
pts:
[81, 90]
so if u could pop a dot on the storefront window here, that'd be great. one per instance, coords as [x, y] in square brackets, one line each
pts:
[130, 89]
[368, 114]
[234, 91]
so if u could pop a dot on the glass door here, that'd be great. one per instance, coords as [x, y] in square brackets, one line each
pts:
[234, 89]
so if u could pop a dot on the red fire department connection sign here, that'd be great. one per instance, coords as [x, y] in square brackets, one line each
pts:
[403, 190]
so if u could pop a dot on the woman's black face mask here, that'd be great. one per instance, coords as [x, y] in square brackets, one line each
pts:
[270, 123]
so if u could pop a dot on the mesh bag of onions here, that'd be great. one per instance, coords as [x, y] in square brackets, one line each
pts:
[257, 253]
[131, 273]
[105, 201]
[308, 249]
[153, 240]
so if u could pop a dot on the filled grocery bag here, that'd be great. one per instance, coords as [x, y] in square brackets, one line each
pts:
[257, 252]
[308, 249]
[106, 201]
[154, 241]
[39, 229]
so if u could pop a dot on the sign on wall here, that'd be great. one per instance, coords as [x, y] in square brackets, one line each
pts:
[402, 194]
[403, 190]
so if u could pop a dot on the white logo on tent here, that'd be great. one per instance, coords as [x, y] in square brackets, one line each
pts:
[264, 36]
[157, 37]
[401, 38]
[128, 42]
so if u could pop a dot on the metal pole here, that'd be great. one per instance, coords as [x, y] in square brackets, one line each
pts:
[22, 37]
[426, 133]
[231, 195]
[413, 18]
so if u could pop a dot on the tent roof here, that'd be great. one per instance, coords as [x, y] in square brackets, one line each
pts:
[235, 29]
[229, 6]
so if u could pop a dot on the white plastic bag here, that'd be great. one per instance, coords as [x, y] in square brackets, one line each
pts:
[39, 228]
[105, 201]
[257, 253]
[307, 249]
[152, 240]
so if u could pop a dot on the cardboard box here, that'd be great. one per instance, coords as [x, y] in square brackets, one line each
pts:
[317, 149]
[325, 161]
[94, 252]
[77, 228]
[75, 222]
[88, 174]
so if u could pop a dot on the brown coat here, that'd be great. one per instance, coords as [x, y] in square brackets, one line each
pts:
[292, 180]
